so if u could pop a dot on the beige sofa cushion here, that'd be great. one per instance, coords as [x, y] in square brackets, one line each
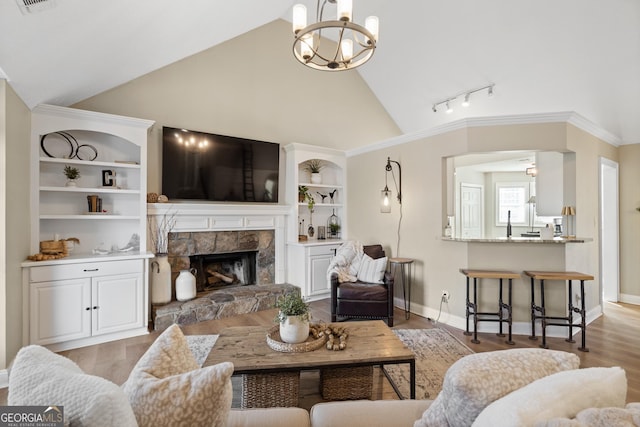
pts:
[475, 381]
[368, 413]
[40, 377]
[166, 387]
[268, 417]
[562, 394]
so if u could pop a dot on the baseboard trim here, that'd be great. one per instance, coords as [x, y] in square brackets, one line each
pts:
[630, 299]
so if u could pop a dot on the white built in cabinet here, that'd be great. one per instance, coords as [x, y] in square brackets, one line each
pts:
[87, 297]
[308, 260]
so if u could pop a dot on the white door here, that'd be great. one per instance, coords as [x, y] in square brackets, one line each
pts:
[471, 211]
[609, 229]
[117, 303]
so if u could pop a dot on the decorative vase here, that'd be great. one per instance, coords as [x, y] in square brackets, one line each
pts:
[316, 178]
[71, 183]
[186, 285]
[160, 280]
[294, 329]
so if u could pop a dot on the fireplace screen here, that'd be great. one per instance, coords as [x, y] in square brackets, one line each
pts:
[215, 271]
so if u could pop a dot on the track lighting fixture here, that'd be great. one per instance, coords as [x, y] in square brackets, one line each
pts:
[466, 102]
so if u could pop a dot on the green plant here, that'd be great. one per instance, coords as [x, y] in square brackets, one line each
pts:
[291, 305]
[304, 194]
[334, 228]
[313, 165]
[71, 172]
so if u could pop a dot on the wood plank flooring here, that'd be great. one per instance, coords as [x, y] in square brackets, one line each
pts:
[613, 340]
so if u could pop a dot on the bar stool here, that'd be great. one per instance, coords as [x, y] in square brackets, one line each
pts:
[567, 321]
[499, 316]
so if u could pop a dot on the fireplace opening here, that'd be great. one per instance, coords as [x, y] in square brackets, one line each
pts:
[215, 271]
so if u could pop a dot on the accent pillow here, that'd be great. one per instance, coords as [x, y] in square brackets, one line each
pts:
[166, 387]
[372, 270]
[563, 394]
[475, 381]
[40, 377]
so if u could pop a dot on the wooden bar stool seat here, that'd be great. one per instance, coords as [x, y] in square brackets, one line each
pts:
[538, 312]
[472, 306]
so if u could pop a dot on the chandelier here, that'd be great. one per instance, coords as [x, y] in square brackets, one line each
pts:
[314, 48]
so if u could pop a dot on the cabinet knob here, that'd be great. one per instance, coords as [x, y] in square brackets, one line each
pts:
[90, 269]
[88, 308]
[95, 307]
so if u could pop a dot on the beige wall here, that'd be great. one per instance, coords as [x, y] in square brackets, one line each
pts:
[14, 201]
[437, 262]
[251, 87]
[629, 168]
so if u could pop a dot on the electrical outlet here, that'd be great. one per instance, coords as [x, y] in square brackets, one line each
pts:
[445, 296]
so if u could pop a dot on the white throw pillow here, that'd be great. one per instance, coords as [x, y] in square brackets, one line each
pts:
[166, 387]
[475, 381]
[40, 377]
[563, 394]
[372, 270]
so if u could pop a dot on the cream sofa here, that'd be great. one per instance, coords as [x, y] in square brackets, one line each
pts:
[167, 388]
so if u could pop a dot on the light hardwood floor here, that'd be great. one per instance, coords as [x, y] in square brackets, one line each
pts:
[613, 340]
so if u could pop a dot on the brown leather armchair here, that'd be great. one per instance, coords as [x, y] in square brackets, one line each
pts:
[363, 300]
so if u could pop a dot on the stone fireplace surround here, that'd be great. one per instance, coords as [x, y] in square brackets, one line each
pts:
[202, 228]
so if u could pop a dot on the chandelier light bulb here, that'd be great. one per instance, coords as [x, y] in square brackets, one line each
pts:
[299, 17]
[345, 9]
[306, 47]
[372, 24]
[346, 47]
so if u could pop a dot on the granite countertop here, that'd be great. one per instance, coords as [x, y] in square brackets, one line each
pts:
[516, 239]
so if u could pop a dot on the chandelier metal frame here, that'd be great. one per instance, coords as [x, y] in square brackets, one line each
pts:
[321, 55]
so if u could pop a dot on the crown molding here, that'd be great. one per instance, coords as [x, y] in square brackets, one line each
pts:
[570, 117]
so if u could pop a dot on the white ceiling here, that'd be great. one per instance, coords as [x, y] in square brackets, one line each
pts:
[543, 55]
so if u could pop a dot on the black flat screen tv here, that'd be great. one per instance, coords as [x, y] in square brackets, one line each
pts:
[204, 166]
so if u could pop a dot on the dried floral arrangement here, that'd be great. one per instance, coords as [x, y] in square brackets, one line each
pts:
[159, 229]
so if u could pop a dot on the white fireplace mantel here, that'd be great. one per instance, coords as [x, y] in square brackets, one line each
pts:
[202, 217]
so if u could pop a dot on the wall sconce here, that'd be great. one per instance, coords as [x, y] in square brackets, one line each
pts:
[385, 194]
[466, 101]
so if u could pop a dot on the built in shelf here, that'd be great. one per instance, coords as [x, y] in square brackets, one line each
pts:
[328, 205]
[90, 190]
[90, 217]
[90, 163]
[308, 184]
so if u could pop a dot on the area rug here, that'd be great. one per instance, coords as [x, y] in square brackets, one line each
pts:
[435, 350]
[200, 346]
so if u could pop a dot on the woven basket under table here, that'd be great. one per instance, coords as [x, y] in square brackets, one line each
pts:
[278, 389]
[346, 383]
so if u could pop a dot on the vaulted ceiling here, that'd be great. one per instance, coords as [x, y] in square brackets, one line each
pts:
[543, 56]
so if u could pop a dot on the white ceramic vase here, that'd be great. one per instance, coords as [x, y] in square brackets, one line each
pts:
[316, 178]
[294, 329]
[71, 183]
[186, 285]
[160, 279]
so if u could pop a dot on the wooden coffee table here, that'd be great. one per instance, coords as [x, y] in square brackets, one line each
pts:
[369, 343]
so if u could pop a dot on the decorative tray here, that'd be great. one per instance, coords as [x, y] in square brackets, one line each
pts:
[275, 342]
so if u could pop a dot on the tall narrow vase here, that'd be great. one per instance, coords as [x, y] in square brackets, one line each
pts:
[160, 279]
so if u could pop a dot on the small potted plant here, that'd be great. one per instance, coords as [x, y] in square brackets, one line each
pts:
[294, 316]
[334, 229]
[303, 190]
[72, 175]
[314, 166]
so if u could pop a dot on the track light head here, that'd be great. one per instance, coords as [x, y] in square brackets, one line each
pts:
[449, 109]
[466, 102]
[490, 91]
[434, 108]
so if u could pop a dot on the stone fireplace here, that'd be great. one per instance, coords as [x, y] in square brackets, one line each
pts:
[216, 254]
[206, 234]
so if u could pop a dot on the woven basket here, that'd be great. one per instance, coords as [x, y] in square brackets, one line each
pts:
[270, 390]
[53, 247]
[275, 342]
[346, 383]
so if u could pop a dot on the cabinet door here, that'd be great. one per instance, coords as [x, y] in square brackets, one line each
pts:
[319, 260]
[60, 310]
[117, 303]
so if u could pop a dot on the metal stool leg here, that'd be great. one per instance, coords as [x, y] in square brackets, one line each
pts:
[475, 312]
[533, 311]
[571, 309]
[510, 316]
[583, 322]
[500, 307]
[543, 317]
[466, 332]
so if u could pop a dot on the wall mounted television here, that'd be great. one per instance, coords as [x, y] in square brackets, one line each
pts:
[203, 166]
